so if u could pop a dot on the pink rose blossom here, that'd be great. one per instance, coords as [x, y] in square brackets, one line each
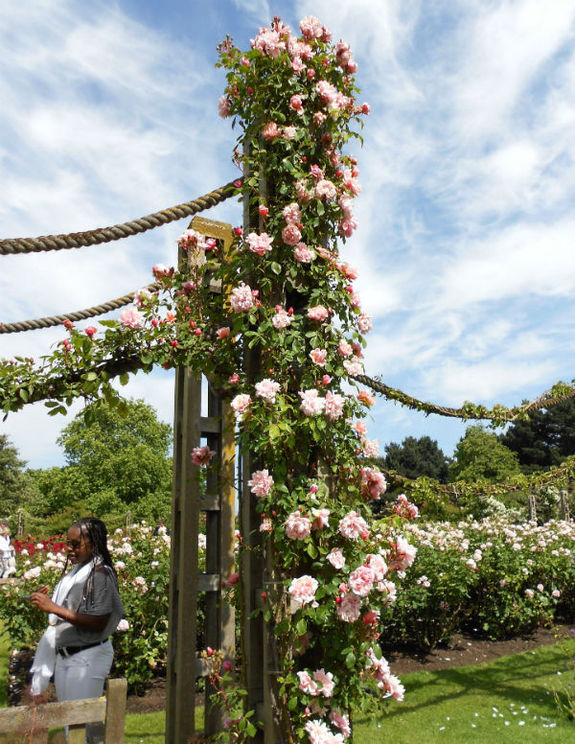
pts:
[325, 682]
[360, 427]
[347, 226]
[388, 589]
[318, 356]
[306, 684]
[378, 565]
[269, 42]
[304, 195]
[271, 131]
[325, 190]
[319, 733]
[303, 254]
[316, 172]
[361, 581]
[319, 118]
[259, 244]
[318, 312]
[234, 378]
[160, 271]
[334, 403]
[326, 91]
[401, 555]
[373, 483]
[282, 319]
[90, 331]
[291, 234]
[364, 323]
[241, 298]
[222, 333]
[296, 103]
[266, 525]
[352, 366]
[142, 296]
[350, 182]
[297, 65]
[341, 721]
[365, 397]
[289, 133]
[202, 456]
[267, 389]
[344, 348]
[261, 483]
[131, 318]
[353, 526]
[241, 403]
[311, 27]
[336, 558]
[292, 214]
[320, 519]
[345, 204]
[224, 106]
[349, 608]
[370, 447]
[311, 403]
[297, 527]
[303, 589]
[371, 617]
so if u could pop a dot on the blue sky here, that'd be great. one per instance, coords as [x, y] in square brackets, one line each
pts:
[467, 227]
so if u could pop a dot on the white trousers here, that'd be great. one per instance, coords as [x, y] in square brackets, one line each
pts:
[82, 676]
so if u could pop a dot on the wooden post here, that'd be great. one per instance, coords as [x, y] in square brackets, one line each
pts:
[532, 507]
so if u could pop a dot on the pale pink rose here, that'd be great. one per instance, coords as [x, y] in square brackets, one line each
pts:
[341, 721]
[131, 318]
[296, 103]
[289, 133]
[388, 589]
[303, 589]
[318, 312]
[261, 483]
[241, 403]
[353, 526]
[222, 333]
[311, 27]
[259, 244]
[379, 667]
[325, 190]
[353, 367]
[394, 687]
[202, 455]
[271, 131]
[349, 609]
[361, 581]
[354, 299]
[336, 558]
[373, 483]
[292, 214]
[344, 348]
[266, 525]
[556, 593]
[347, 226]
[360, 428]
[304, 195]
[142, 297]
[269, 42]
[334, 404]
[378, 565]
[365, 397]
[303, 254]
[291, 234]
[401, 555]
[325, 682]
[316, 172]
[342, 53]
[350, 182]
[318, 356]
[540, 587]
[346, 205]
[306, 684]
[365, 108]
[160, 271]
[297, 65]
[311, 403]
[241, 298]
[326, 91]
[319, 733]
[297, 527]
[529, 593]
[371, 617]
[190, 239]
[364, 323]
[320, 518]
[267, 389]
[319, 118]
[282, 319]
[224, 105]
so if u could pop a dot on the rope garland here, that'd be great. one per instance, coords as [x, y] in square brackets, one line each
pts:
[498, 413]
[122, 230]
[54, 320]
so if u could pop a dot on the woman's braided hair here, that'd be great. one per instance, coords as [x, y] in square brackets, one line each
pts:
[95, 531]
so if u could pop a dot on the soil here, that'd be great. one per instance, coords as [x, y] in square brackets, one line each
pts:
[461, 651]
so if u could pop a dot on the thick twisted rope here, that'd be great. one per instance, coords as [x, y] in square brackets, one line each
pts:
[546, 400]
[91, 312]
[122, 230]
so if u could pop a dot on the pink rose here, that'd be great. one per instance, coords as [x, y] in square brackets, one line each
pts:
[353, 526]
[311, 403]
[401, 554]
[297, 527]
[259, 244]
[352, 366]
[325, 190]
[361, 581]
[296, 104]
[364, 323]
[336, 558]
[334, 404]
[160, 271]
[320, 518]
[282, 319]
[267, 389]
[222, 333]
[303, 254]
[224, 106]
[241, 403]
[344, 348]
[241, 298]
[261, 483]
[289, 133]
[306, 684]
[318, 312]
[347, 226]
[325, 682]
[90, 331]
[292, 214]
[371, 617]
[131, 318]
[291, 234]
[349, 609]
[365, 397]
[311, 27]
[303, 589]
[202, 456]
[318, 356]
[271, 131]
[269, 42]
[340, 721]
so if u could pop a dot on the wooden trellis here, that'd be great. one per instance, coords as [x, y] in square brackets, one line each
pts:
[188, 503]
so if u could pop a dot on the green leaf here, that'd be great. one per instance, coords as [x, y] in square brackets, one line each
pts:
[350, 660]
[124, 378]
[276, 268]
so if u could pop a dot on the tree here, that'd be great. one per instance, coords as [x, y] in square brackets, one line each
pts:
[480, 455]
[14, 486]
[124, 451]
[415, 457]
[546, 438]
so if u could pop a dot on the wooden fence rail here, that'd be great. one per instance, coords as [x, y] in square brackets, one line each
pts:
[30, 723]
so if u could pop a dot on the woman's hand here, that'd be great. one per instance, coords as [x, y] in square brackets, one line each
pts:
[42, 601]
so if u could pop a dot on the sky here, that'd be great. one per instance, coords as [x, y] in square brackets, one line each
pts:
[465, 247]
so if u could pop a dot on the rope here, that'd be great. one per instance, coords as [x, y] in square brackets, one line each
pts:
[468, 411]
[122, 230]
[54, 320]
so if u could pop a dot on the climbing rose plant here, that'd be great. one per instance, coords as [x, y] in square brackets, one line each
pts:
[282, 342]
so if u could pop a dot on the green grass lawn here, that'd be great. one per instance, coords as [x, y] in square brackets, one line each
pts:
[507, 701]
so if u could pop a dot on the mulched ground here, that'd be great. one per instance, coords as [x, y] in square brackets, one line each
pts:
[461, 651]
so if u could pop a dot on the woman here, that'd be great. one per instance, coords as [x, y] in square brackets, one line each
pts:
[7, 553]
[83, 612]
